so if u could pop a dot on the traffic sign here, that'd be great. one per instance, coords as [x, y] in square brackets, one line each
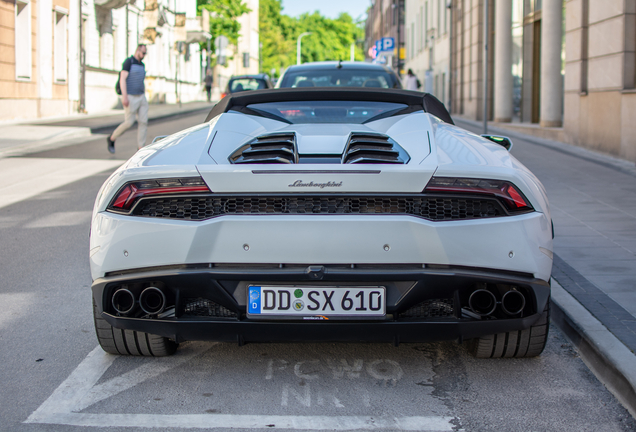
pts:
[385, 44]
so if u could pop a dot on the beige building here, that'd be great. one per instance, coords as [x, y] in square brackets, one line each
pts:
[34, 75]
[242, 59]
[600, 75]
[558, 69]
[427, 44]
[385, 18]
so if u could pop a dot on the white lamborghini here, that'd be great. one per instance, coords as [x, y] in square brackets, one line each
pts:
[309, 214]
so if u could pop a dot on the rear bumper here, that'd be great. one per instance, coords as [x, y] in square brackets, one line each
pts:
[512, 243]
[409, 291]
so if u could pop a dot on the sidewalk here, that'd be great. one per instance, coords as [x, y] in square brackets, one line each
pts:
[593, 204]
[21, 138]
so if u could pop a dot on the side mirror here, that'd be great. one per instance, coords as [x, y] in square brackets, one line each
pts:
[159, 138]
[501, 140]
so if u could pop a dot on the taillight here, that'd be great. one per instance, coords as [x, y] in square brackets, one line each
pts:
[505, 191]
[131, 192]
[223, 95]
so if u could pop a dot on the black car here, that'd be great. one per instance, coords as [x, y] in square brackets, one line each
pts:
[339, 74]
[247, 82]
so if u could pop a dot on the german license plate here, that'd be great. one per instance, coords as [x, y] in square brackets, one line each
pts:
[316, 302]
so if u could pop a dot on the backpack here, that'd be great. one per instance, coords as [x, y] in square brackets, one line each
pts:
[118, 88]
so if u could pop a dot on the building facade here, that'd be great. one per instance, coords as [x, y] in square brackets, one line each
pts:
[560, 69]
[427, 45]
[385, 18]
[59, 57]
[34, 78]
[600, 75]
[243, 58]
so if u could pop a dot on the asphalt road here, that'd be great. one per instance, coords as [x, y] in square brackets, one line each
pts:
[55, 378]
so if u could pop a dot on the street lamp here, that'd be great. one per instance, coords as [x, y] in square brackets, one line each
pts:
[298, 46]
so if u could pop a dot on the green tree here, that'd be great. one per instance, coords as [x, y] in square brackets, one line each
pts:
[331, 39]
[223, 17]
[275, 33]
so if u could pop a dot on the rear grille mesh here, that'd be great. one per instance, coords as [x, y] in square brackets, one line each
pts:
[427, 207]
[434, 308]
[206, 308]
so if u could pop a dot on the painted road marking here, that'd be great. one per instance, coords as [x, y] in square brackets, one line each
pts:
[80, 391]
[24, 178]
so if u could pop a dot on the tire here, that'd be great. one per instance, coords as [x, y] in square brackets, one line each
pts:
[515, 344]
[129, 342]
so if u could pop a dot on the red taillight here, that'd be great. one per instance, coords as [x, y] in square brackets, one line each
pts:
[133, 191]
[503, 190]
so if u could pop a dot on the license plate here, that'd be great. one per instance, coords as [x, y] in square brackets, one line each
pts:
[316, 302]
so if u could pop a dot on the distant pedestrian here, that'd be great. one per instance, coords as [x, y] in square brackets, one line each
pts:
[133, 97]
[209, 79]
[411, 82]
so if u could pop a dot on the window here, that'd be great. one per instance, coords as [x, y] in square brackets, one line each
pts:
[59, 46]
[23, 38]
[426, 24]
[445, 19]
[355, 112]
[439, 18]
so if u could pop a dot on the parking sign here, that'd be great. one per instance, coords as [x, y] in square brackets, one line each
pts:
[385, 44]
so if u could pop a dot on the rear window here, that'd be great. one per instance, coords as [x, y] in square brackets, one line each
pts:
[327, 111]
[243, 84]
[340, 78]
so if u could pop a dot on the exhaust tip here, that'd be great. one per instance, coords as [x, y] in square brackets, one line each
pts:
[482, 302]
[123, 301]
[513, 302]
[152, 300]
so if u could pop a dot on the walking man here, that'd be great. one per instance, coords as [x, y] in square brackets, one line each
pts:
[133, 97]
[208, 83]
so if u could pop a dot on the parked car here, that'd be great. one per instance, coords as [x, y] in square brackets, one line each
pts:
[339, 74]
[307, 214]
[242, 83]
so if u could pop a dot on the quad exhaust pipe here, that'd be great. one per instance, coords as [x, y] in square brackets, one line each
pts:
[513, 302]
[152, 301]
[123, 301]
[483, 302]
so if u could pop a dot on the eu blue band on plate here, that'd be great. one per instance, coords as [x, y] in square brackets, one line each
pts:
[255, 300]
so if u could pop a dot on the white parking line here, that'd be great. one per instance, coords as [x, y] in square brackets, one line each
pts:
[231, 421]
[79, 391]
[24, 178]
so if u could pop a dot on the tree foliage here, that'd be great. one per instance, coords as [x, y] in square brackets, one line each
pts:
[331, 39]
[223, 17]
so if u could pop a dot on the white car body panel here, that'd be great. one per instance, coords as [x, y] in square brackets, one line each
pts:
[332, 239]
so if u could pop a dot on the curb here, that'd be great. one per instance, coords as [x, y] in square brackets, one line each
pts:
[607, 357]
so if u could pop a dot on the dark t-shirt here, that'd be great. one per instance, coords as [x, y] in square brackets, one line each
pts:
[136, 75]
[208, 80]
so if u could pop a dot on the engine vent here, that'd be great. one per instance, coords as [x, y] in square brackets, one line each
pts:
[270, 148]
[373, 148]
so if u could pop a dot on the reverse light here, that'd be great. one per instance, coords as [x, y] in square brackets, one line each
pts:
[131, 192]
[505, 191]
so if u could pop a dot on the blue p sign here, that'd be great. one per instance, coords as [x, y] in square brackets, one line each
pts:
[388, 44]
